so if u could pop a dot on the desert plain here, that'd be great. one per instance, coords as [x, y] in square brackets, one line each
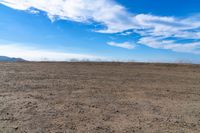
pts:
[89, 97]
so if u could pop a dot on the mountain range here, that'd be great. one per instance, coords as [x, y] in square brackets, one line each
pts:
[10, 59]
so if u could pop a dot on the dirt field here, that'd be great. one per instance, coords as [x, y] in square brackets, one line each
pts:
[99, 98]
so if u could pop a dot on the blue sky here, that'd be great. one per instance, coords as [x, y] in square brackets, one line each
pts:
[140, 30]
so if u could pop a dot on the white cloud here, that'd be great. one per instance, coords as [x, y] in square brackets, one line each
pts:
[160, 43]
[109, 13]
[168, 26]
[126, 33]
[33, 11]
[34, 54]
[125, 45]
[117, 19]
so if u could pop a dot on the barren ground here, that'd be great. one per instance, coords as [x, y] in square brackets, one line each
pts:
[99, 98]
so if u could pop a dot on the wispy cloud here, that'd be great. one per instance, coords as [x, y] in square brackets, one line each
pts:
[107, 12]
[126, 45]
[34, 54]
[161, 43]
[117, 19]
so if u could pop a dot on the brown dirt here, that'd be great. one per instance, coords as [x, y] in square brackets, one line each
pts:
[99, 98]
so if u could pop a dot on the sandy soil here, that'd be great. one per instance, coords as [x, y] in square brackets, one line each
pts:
[99, 98]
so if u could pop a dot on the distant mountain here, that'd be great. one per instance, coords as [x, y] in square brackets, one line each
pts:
[10, 59]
